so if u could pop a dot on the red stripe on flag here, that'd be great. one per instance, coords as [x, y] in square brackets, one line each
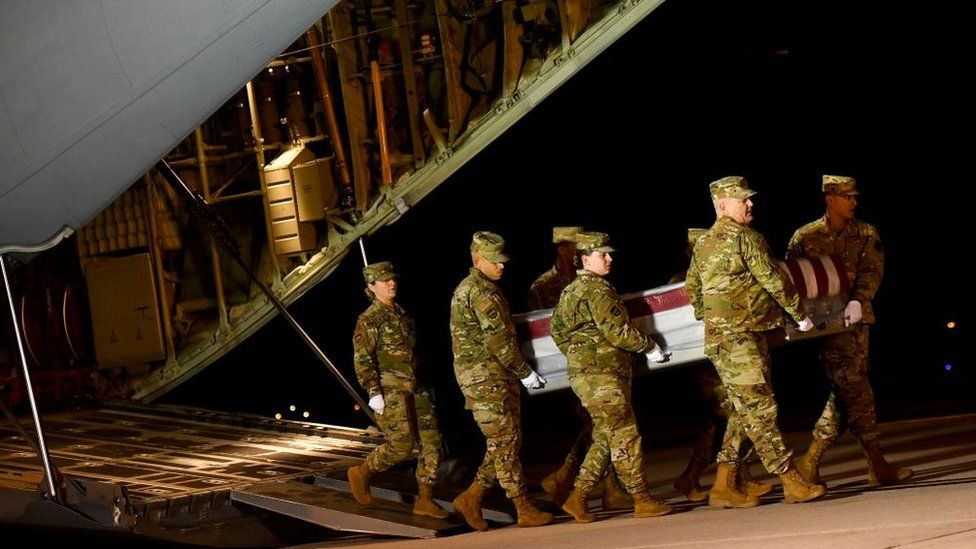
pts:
[845, 284]
[797, 275]
[637, 306]
[533, 329]
[646, 305]
[820, 272]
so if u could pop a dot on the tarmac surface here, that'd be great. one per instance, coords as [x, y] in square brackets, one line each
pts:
[936, 508]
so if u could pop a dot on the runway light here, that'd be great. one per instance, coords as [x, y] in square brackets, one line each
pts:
[948, 367]
[305, 414]
[278, 416]
[951, 325]
[292, 408]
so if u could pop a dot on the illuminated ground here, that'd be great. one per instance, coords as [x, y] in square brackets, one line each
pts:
[936, 509]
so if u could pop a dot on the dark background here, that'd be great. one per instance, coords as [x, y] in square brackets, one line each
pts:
[780, 92]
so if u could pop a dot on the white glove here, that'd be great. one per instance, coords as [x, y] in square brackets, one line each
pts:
[658, 355]
[805, 325]
[534, 381]
[852, 314]
[377, 404]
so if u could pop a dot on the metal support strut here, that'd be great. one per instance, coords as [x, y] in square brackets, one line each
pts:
[211, 223]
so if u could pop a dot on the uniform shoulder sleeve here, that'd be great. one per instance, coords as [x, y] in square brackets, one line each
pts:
[364, 340]
[535, 297]
[766, 270]
[611, 318]
[870, 266]
[795, 247]
[693, 287]
[559, 323]
[492, 314]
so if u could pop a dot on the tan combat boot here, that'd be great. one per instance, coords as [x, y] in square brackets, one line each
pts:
[798, 490]
[880, 472]
[576, 506]
[809, 464]
[558, 483]
[614, 497]
[687, 483]
[646, 506]
[749, 486]
[468, 505]
[725, 492]
[425, 504]
[358, 476]
[528, 515]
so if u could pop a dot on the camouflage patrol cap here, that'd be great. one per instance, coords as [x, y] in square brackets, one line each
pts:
[565, 234]
[839, 184]
[378, 271]
[733, 186]
[590, 242]
[694, 235]
[490, 246]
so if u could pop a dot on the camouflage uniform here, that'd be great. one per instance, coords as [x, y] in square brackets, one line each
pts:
[591, 327]
[710, 385]
[845, 355]
[544, 293]
[719, 410]
[383, 347]
[488, 366]
[738, 289]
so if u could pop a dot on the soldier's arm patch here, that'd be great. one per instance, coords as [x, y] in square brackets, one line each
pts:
[488, 311]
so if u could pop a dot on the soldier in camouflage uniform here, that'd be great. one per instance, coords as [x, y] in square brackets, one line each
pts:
[383, 347]
[719, 408]
[845, 355]
[544, 294]
[740, 291]
[488, 366]
[591, 327]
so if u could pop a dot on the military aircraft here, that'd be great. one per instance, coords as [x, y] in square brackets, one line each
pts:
[287, 128]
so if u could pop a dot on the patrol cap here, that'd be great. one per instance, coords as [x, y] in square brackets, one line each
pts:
[490, 246]
[733, 186]
[840, 184]
[694, 235]
[378, 271]
[590, 242]
[564, 234]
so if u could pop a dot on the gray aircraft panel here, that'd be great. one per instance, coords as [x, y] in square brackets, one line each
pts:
[93, 92]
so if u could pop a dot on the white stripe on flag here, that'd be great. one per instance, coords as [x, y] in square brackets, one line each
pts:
[809, 277]
[833, 277]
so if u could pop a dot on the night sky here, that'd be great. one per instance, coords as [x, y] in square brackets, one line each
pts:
[779, 92]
